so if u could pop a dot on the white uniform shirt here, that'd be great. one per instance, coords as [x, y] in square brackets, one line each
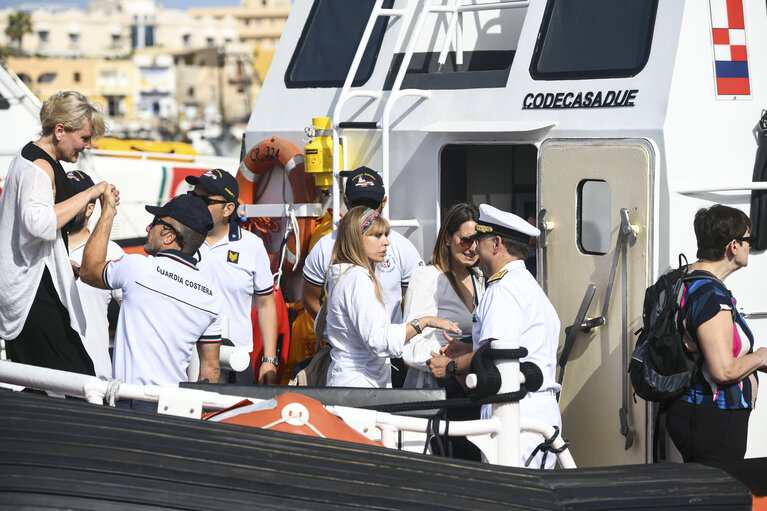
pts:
[515, 308]
[95, 303]
[29, 242]
[430, 294]
[168, 305]
[238, 266]
[393, 273]
[360, 331]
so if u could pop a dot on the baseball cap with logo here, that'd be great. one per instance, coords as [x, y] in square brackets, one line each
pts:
[218, 182]
[79, 180]
[190, 210]
[363, 183]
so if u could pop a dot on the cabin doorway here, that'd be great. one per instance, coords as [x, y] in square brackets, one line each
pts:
[583, 187]
[502, 175]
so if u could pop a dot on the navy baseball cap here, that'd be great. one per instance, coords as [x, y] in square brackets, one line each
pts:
[79, 180]
[363, 183]
[218, 182]
[190, 210]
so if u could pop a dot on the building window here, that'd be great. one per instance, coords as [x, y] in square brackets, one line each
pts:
[44, 36]
[116, 40]
[46, 78]
[187, 40]
[190, 92]
[76, 77]
[210, 41]
[74, 39]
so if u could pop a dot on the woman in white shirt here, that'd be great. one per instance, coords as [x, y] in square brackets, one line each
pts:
[358, 326]
[449, 287]
[40, 312]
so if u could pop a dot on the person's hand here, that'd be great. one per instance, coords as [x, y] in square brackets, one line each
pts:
[455, 348]
[97, 190]
[762, 354]
[109, 198]
[444, 324]
[267, 374]
[438, 364]
[75, 269]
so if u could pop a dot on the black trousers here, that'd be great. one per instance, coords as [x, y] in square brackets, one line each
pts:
[705, 434]
[47, 339]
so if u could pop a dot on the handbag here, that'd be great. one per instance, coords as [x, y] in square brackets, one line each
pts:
[315, 374]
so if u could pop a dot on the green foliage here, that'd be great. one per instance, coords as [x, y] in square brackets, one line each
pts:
[19, 24]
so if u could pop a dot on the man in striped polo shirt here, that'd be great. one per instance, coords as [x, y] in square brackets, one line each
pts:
[168, 307]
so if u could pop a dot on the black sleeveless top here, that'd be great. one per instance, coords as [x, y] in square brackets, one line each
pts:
[33, 152]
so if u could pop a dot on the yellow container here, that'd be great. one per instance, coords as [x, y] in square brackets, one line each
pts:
[318, 154]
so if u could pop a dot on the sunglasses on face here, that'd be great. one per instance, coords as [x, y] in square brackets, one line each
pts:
[159, 221]
[466, 241]
[748, 239]
[207, 200]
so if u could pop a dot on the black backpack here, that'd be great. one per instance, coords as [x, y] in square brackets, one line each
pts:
[661, 368]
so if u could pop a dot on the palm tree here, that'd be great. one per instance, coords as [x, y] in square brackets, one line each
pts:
[19, 24]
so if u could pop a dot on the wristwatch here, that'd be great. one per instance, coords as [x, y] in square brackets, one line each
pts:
[451, 368]
[271, 360]
[416, 326]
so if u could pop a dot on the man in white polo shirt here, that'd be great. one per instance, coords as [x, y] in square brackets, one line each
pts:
[364, 187]
[169, 307]
[95, 302]
[236, 261]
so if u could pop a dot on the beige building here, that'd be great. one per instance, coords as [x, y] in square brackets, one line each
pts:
[259, 22]
[109, 82]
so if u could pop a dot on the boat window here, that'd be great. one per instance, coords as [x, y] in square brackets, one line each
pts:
[331, 35]
[480, 69]
[593, 216]
[593, 39]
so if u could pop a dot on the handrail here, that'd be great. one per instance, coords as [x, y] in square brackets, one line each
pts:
[756, 185]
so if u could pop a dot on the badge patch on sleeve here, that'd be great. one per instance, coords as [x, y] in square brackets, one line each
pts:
[233, 257]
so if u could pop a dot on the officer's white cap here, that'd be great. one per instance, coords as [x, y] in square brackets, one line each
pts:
[500, 223]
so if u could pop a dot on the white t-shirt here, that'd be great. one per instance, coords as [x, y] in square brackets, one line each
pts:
[168, 306]
[238, 266]
[29, 242]
[430, 294]
[393, 273]
[514, 307]
[359, 329]
[95, 303]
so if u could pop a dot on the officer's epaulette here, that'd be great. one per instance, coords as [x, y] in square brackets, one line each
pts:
[497, 276]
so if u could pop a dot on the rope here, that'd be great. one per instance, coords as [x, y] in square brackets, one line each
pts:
[546, 447]
[112, 393]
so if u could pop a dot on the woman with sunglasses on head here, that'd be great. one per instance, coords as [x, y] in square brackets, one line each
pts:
[358, 325]
[449, 287]
[709, 422]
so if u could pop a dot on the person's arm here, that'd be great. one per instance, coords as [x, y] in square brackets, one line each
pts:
[267, 323]
[716, 340]
[311, 297]
[209, 367]
[438, 364]
[95, 252]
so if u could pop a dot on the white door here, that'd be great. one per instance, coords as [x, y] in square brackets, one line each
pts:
[583, 186]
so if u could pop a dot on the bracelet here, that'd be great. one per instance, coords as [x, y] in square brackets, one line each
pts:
[417, 326]
[271, 360]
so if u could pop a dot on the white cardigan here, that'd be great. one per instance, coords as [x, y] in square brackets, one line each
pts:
[430, 294]
[360, 330]
[29, 242]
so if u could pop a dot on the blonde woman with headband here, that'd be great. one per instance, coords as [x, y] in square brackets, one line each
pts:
[41, 317]
[358, 325]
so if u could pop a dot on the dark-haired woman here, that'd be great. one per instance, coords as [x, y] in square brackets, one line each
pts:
[709, 423]
[450, 286]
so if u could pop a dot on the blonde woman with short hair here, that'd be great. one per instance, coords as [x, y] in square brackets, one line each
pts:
[358, 325]
[41, 317]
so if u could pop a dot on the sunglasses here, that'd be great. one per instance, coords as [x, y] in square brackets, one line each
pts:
[748, 239]
[159, 221]
[467, 241]
[207, 200]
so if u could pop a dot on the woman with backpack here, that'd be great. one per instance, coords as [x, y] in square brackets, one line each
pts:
[709, 422]
[358, 325]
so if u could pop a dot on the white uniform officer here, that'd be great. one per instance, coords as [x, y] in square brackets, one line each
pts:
[364, 187]
[513, 308]
[237, 262]
[168, 304]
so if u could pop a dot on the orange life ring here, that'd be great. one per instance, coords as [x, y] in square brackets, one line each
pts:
[261, 157]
